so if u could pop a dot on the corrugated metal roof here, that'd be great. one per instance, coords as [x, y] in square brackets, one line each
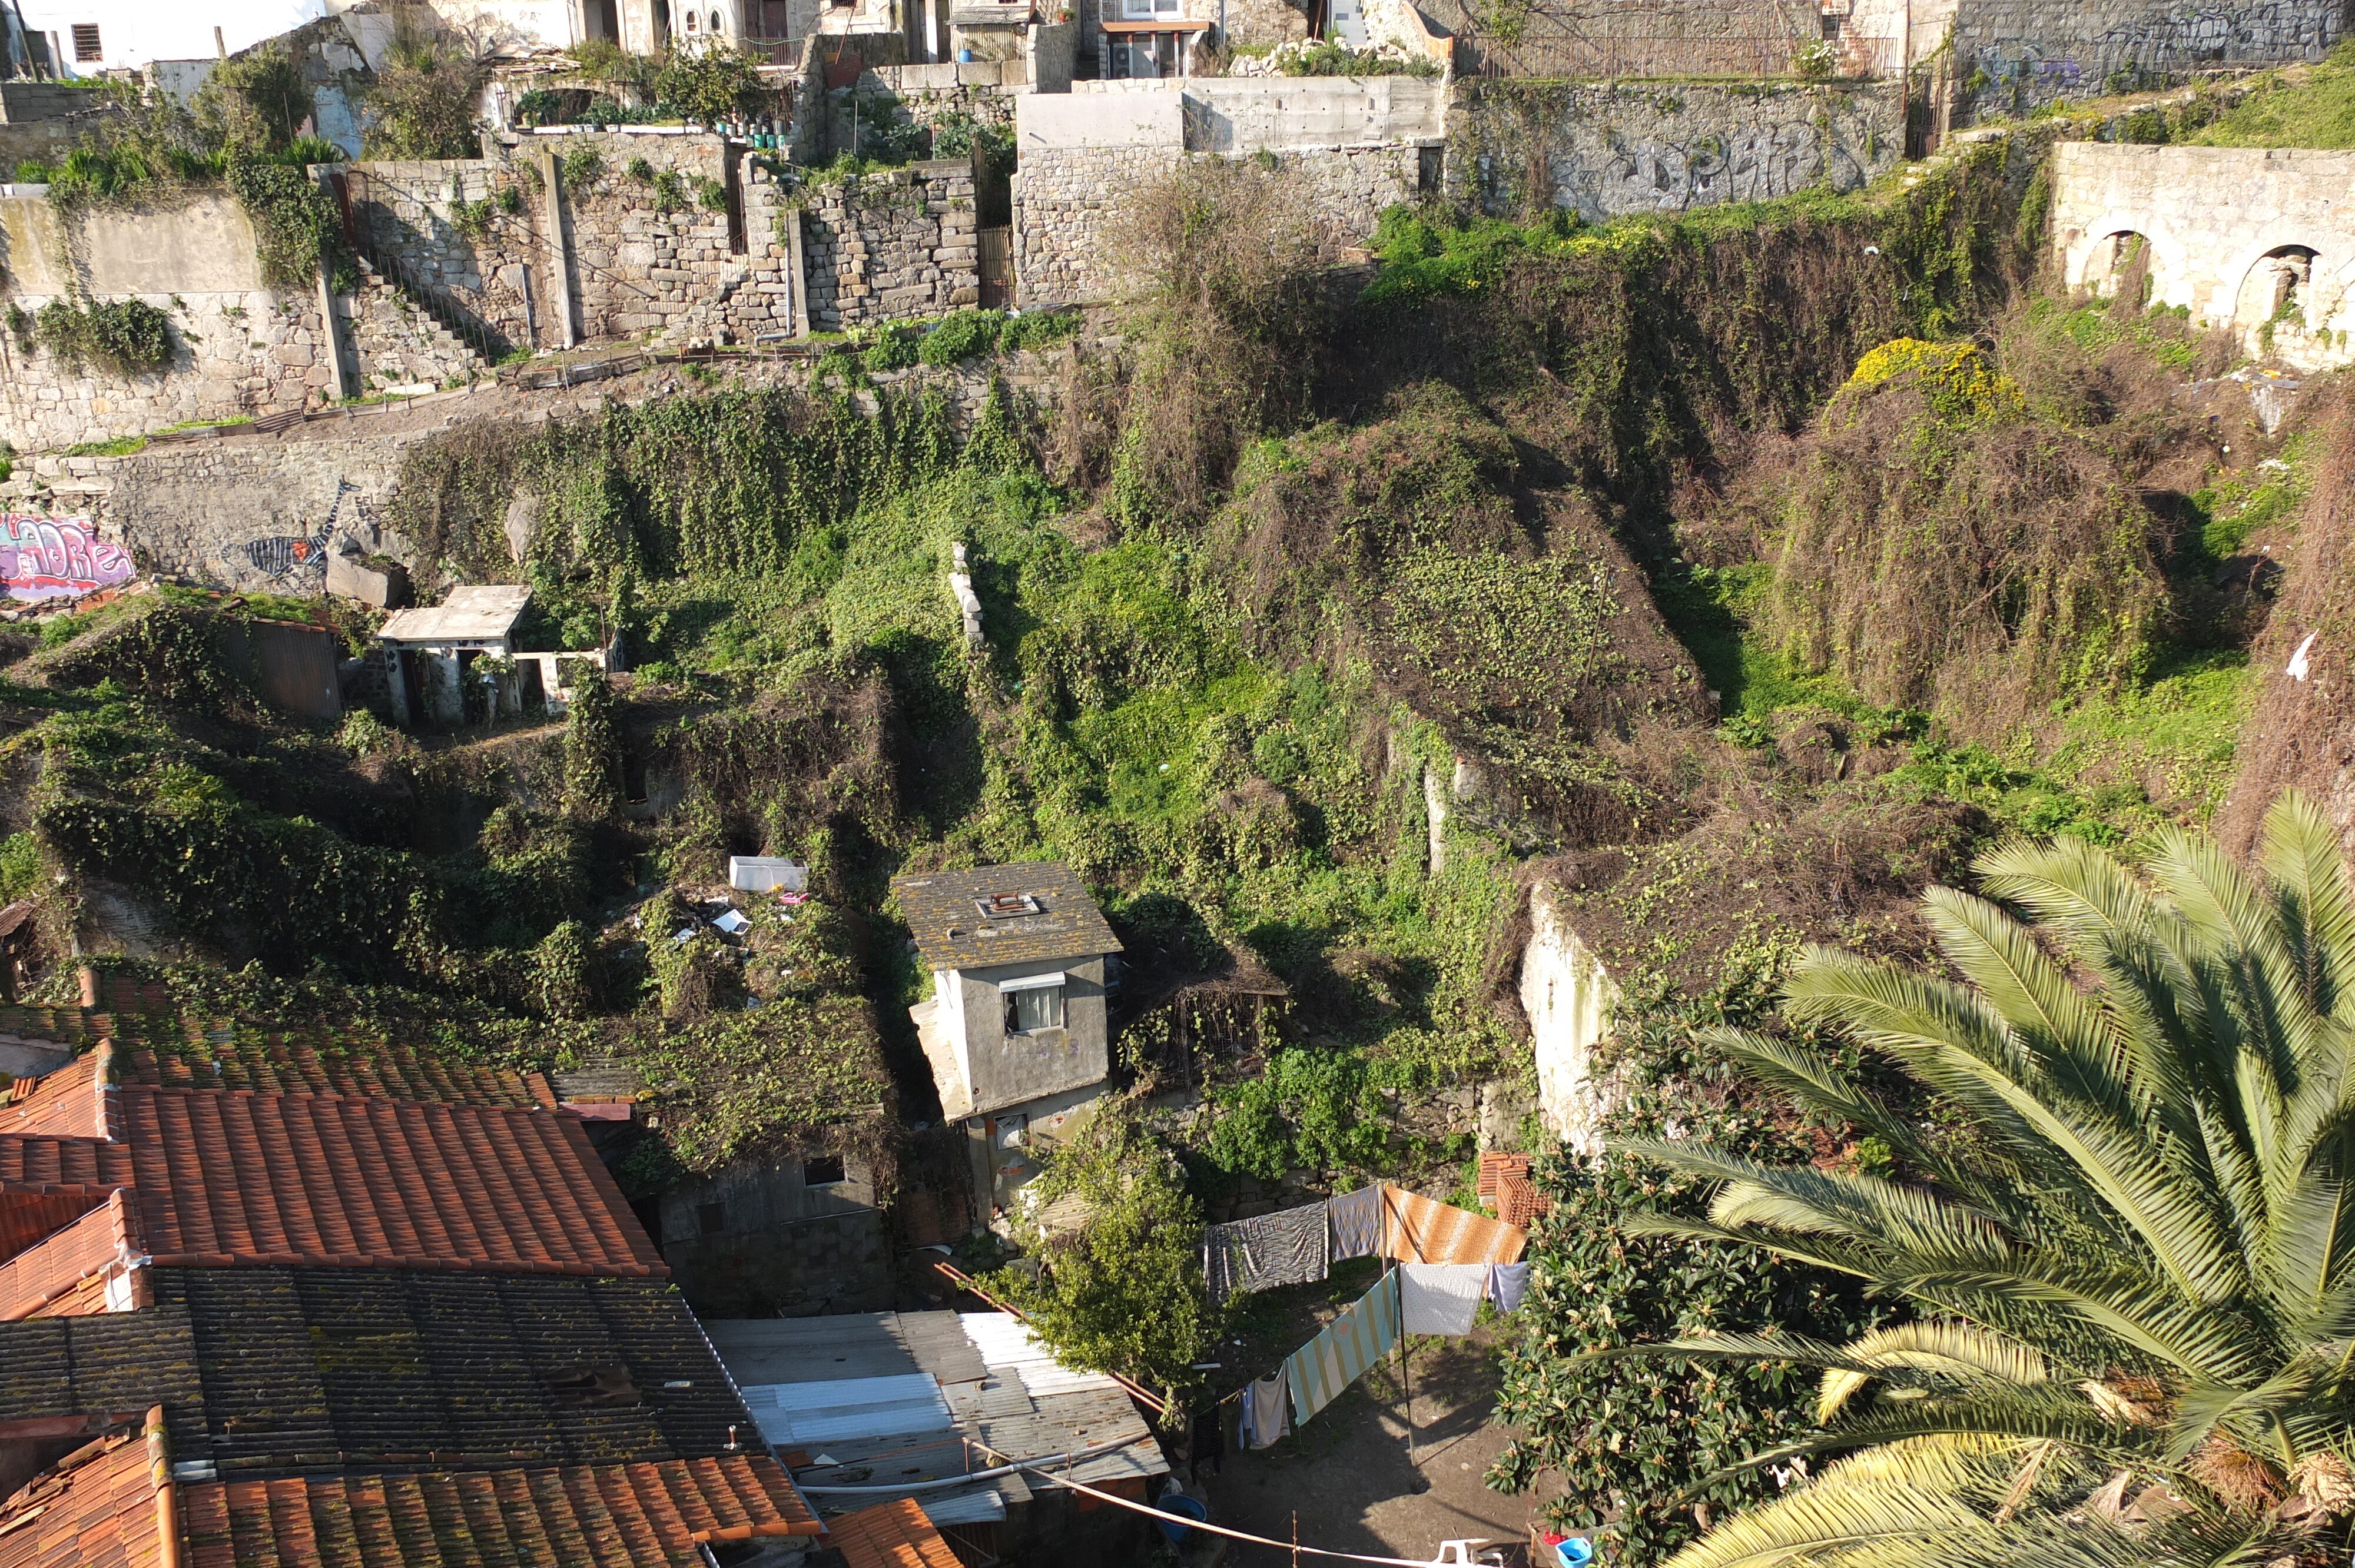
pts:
[850, 1345]
[839, 1409]
[1009, 1396]
[1007, 1347]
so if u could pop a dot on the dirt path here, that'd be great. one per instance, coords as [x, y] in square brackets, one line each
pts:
[1348, 1475]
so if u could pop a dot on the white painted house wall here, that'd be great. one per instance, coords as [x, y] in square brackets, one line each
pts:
[1567, 996]
[130, 32]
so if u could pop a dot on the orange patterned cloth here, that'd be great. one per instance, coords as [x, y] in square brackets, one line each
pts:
[1416, 1229]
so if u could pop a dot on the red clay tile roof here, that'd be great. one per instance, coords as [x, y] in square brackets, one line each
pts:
[895, 1535]
[61, 1102]
[64, 1275]
[64, 1103]
[229, 1178]
[582, 1516]
[95, 1509]
[226, 1179]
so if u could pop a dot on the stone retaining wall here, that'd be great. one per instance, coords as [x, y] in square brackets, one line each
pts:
[891, 246]
[1608, 150]
[2257, 241]
[236, 354]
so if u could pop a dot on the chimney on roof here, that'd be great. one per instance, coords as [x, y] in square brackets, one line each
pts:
[89, 973]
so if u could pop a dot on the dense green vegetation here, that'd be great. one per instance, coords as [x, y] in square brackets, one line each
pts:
[1738, 577]
[2124, 1244]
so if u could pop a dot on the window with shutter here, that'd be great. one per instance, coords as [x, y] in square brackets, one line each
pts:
[86, 44]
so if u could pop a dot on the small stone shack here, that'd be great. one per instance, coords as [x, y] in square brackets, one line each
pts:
[429, 656]
[1015, 1030]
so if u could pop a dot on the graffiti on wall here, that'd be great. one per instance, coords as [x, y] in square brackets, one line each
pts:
[50, 558]
[294, 554]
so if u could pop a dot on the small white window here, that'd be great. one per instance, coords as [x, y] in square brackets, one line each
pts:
[690, 21]
[715, 23]
[86, 44]
[1034, 1008]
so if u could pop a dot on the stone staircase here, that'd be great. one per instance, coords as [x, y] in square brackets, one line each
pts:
[400, 342]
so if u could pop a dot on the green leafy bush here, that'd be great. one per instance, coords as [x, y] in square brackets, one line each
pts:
[128, 337]
[424, 99]
[296, 225]
[713, 83]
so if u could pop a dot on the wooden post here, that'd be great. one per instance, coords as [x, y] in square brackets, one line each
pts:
[1906, 89]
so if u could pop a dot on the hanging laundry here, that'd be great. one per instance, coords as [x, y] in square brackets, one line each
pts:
[1357, 1223]
[1440, 1297]
[1416, 1229]
[1266, 1251]
[1263, 1410]
[1351, 1343]
[1507, 1283]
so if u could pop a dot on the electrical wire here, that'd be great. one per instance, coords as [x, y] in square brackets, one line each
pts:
[1038, 1468]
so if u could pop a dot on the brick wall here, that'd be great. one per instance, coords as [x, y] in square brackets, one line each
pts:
[890, 246]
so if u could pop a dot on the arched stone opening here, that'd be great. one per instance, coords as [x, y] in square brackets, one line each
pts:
[2276, 296]
[2122, 263]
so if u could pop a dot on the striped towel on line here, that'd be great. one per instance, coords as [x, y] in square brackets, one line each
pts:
[1319, 1370]
[1416, 1229]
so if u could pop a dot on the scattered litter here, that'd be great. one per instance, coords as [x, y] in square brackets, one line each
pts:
[681, 938]
[731, 921]
[2299, 667]
[825, 1459]
[750, 1001]
[793, 897]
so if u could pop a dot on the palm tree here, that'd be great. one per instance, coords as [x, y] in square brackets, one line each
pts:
[2134, 1271]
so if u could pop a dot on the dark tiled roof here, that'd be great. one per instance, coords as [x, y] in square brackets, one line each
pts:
[608, 1516]
[96, 1509]
[897, 1534]
[117, 1362]
[316, 1369]
[944, 913]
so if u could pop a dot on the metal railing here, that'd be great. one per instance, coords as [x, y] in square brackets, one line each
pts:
[1548, 47]
[446, 309]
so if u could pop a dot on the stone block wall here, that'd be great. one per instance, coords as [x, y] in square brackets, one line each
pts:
[1066, 213]
[496, 278]
[2017, 54]
[891, 246]
[646, 264]
[395, 342]
[242, 353]
[2217, 226]
[1610, 149]
[1067, 202]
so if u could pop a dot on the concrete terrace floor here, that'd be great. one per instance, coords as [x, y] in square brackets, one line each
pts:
[1347, 1475]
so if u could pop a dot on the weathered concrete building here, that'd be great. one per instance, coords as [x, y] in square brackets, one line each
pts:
[1015, 1030]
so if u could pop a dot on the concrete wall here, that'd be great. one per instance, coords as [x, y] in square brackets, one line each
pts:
[2217, 222]
[1567, 996]
[1008, 1070]
[1609, 150]
[1244, 114]
[1349, 146]
[891, 246]
[241, 349]
[782, 1246]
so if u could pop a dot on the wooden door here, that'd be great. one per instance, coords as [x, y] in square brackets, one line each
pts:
[997, 267]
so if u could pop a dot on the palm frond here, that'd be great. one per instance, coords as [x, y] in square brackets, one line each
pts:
[1961, 1351]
